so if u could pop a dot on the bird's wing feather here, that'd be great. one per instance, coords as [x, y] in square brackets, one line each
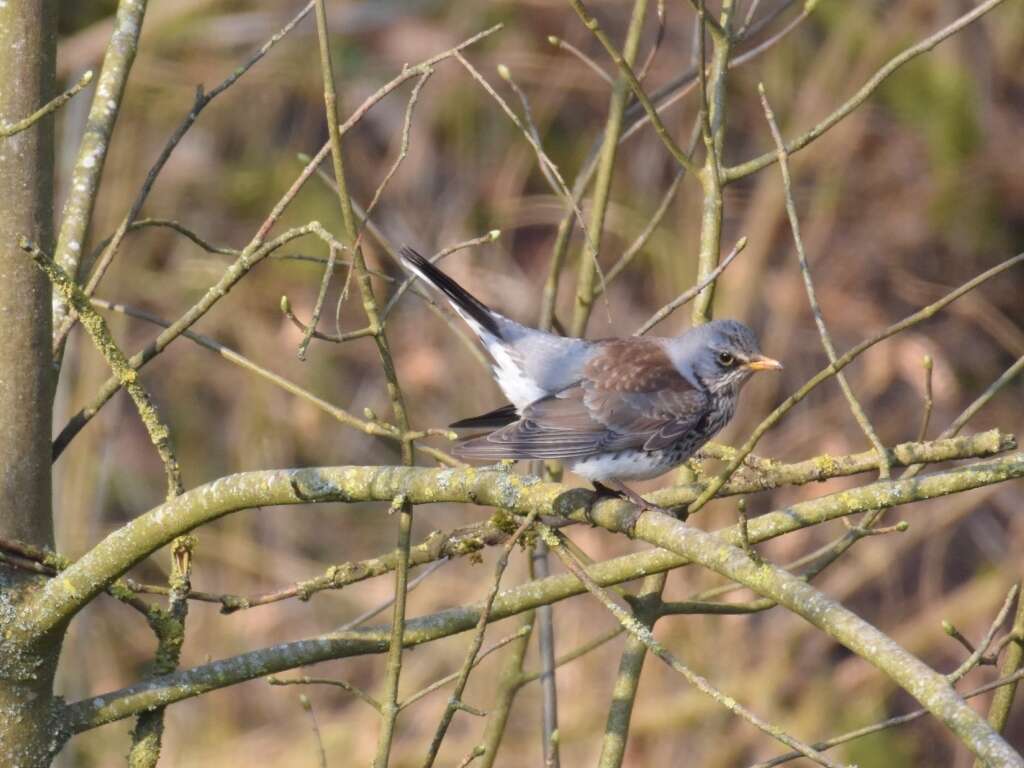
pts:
[499, 417]
[528, 364]
[630, 396]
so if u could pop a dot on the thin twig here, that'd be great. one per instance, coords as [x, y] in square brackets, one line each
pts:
[1002, 702]
[812, 299]
[1007, 682]
[752, 166]
[781, 410]
[307, 335]
[400, 556]
[540, 569]
[472, 755]
[351, 230]
[83, 187]
[659, 37]
[201, 101]
[976, 656]
[438, 684]
[982, 400]
[587, 61]
[507, 688]
[751, 10]
[375, 428]
[321, 754]
[403, 150]
[356, 691]
[257, 249]
[551, 172]
[531, 127]
[389, 706]
[627, 71]
[644, 634]
[576, 653]
[9, 129]
[490, 237]
[652, 224]
[74, 297]
[926, 415]
[477, 641]
[691, 292]
[594, 234]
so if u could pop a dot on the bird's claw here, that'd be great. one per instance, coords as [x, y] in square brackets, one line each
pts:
[642, 504]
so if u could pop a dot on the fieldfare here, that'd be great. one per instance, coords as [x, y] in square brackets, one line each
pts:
[611, 409]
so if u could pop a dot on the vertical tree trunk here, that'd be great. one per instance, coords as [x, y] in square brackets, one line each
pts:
[28, 30]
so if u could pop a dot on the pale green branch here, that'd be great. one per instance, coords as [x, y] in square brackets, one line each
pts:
[92, 150]
[62, 596]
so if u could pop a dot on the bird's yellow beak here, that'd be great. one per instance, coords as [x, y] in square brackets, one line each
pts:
[762, 363]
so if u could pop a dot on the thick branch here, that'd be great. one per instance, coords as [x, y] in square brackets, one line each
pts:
[929, 687]
[128, 545]
[60, 597]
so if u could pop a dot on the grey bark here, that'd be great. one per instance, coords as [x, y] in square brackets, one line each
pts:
[28, 31]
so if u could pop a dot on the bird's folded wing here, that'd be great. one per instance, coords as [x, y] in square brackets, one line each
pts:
[631, 396]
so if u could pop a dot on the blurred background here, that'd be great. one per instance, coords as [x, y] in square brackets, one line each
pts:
[920, 189]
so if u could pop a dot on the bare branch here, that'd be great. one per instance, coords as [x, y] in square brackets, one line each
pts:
[10, 129]
[148, 531]
[826, 340]
[92, 150]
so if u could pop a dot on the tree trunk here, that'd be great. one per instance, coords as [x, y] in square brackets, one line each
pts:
[28, 30]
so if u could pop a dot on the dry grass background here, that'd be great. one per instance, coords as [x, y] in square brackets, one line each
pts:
[918, 190]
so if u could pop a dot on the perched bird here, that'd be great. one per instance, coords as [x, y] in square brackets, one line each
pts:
[612, 409]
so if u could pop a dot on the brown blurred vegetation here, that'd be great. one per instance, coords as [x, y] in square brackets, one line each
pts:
[915, 192]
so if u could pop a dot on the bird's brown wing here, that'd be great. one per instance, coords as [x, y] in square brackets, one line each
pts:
[630, 396]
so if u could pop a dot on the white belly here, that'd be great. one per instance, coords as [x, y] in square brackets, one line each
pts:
[623, 465]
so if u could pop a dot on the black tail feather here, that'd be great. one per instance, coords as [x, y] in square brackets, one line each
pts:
[459, 295]
[499, 417]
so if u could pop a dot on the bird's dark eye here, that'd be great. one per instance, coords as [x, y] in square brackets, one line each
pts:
[726, 359]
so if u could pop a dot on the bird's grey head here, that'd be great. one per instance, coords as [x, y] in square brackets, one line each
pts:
[719, 356]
